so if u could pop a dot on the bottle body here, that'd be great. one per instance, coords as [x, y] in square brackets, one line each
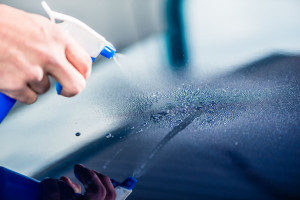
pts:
[91, 44]
[122, 193]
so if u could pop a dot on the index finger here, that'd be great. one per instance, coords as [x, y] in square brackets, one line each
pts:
[79, 58]
[110, 190]
[95, 190]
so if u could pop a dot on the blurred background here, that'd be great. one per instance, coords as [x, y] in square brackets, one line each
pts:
[205, 103]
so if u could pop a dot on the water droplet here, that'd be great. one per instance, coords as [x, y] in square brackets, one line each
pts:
[108, 135]
[78, 134]
[132, 127]
[164, 112]
[209, 120]
[144, 124]
[199, 107]
[141, 130]
[179, 121]
[156, 118]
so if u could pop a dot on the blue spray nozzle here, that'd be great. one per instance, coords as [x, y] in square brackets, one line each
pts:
[109, 51]
[129, 183]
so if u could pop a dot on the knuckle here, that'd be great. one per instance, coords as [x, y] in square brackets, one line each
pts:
[49, 55]
[59, 35]
[36, 76]
[45, 56]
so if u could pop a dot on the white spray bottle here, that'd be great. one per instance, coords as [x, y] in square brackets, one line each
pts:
[90, 40]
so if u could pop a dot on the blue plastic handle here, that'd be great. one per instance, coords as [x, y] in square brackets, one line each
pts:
[6, 104]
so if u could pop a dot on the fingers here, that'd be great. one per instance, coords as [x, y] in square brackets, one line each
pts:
[95, 190]
[76, 187]
[78, 64]
[110, 190]
[53, 189]
[97, 186]
[79, 58]
[24, 95]
[68, 76]
[27, 96]
[40, 86]
[28, 93]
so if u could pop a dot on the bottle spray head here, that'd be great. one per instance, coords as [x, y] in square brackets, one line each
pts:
[94, 43]
[109, 51]
[128, 183]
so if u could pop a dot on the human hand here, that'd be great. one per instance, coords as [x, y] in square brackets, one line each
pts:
[97, 186]
[31, 49]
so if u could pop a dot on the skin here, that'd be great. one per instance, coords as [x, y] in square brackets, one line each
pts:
[32, 49]
[97, 186]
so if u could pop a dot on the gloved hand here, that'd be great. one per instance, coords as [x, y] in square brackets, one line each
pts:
[97, 186]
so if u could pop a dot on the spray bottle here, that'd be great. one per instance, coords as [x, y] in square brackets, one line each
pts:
[19, 187]
[90, 40]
